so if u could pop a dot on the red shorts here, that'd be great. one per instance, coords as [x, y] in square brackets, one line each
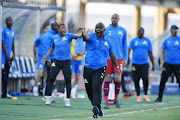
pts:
[111, 69]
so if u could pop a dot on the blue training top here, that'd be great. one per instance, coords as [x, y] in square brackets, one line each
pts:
[172, 47]
[39, 45]
[119, 41]
[47, 41]
[97, 51]
[62, 46]
[141, 48]
[8, 36]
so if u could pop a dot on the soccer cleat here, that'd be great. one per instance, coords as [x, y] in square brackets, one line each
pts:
[116, 102]
[95, 111]
[139, 99]
[146, 98]
[48, 100]
[101, 113]
[127, 94]
[44, 99]
[158, 100]
[67, 102]
[106, 105]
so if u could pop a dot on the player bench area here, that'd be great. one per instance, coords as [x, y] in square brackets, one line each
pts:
[21, 73]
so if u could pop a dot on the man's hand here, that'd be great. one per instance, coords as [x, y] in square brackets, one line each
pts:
[35, 59]
[117, 76]
[84, 32]
[73, 57]
[44, 60]
[124, 62]
[89, 31]
[13, 57]
[161, 66]
[8, 58]
[153, 67]
[80, 53]
[117, 70]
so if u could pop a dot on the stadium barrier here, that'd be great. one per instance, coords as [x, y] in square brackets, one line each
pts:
[170, 88]
[22, 68]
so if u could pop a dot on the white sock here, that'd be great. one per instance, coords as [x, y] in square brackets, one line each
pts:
[44, 91]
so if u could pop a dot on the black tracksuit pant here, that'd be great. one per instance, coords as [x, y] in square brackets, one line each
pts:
[167, 70]
[123, 84]
[56, 66]
[5, 75]
[93, 80]
[140, 71]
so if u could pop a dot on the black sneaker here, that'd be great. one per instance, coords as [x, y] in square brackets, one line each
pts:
[117, 103]
[106, 105]
[3, 96]
[101, 113]
[158, 100]
[127, 94]
[95, 111]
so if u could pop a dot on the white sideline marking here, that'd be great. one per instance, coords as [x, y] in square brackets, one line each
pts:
[142, 111]
[163, 108]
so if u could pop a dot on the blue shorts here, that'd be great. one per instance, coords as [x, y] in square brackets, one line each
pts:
[40, 65]
[76, 66]
[3, 60]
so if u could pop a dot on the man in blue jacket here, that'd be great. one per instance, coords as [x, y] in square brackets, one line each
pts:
[118, 36]
[142, 49]
[98, 49]
[62, 60]
[38, 58]
[8, 37]
[170, 60]
[46, 43]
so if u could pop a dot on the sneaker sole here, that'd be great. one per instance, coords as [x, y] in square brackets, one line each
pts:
[68, 105]
[129, 95]
[147, 101]
[47, 103]
[106, 107]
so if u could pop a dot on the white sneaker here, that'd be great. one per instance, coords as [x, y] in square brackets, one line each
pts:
[8, 95]
[67, 102]
[48, 100]
[35, 91]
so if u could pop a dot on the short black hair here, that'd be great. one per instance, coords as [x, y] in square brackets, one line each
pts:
[79, 29]
[45, 26]
[54, 23]
[61, 25]
[141, 28]
[100, 23]
[8, 18]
